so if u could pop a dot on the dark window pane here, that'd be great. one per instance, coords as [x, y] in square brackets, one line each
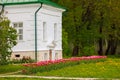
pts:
[15, 25]
[17, 55]
[20, 31]
[20, 37]
[20, 24]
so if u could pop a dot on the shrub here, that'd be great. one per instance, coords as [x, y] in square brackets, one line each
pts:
[23, 60]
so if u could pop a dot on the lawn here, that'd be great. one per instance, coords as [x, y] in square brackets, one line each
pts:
[108, 69]
[10, 68]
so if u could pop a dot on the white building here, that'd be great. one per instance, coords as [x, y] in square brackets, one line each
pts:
[39, 27]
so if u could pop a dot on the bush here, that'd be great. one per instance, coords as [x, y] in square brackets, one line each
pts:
[23, 60]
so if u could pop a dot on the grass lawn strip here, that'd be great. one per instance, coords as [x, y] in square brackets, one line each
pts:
[11, 68]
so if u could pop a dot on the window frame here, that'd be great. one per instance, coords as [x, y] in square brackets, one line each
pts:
[55, 31]
[44, 31]
[18, 27]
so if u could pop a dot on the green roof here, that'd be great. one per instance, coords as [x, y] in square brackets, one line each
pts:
[16, 2]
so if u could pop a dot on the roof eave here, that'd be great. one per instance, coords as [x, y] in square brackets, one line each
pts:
[32, 2]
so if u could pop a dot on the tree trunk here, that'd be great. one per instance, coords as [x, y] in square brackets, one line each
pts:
[76, 44]
[114, 47]
[108, 48]
[100, 52]
[100, 42]
[75, 51]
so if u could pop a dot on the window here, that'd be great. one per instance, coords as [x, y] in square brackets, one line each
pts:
[55, 31]
[17, 55]
[44, 31]
[56, 56]
[19, 27]
[45, 57]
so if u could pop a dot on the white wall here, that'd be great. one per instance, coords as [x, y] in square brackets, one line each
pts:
[25, 14]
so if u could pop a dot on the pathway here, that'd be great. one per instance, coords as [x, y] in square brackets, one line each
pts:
[50, 77]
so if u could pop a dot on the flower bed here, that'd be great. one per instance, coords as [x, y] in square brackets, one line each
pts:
[58, 64]
[44, 63]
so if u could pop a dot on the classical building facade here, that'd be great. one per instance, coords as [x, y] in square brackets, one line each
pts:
[39, 27]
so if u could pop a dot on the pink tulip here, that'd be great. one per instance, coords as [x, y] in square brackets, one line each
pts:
[44, 63]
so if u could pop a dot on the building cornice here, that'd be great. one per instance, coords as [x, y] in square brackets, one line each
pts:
[47, 2]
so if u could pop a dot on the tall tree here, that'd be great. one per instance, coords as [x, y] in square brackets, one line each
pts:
[92, 24]
[114, 27]
[101, 13]
[79, 16]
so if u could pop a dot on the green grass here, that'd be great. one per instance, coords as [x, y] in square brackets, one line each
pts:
[108, 69]
[10, 68]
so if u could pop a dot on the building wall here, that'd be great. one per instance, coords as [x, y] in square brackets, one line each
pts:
[25, 14]
[41, 56]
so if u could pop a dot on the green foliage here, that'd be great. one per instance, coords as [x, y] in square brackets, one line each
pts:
[78, 23]
[66, 49]
[8, 37]
[86, 21]
[88, 51]
[20, 61]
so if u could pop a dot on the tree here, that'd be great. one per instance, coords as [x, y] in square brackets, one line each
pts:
[8, 37]
[92, 25]
[101, 14]
[80, 17]
[113, 34]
